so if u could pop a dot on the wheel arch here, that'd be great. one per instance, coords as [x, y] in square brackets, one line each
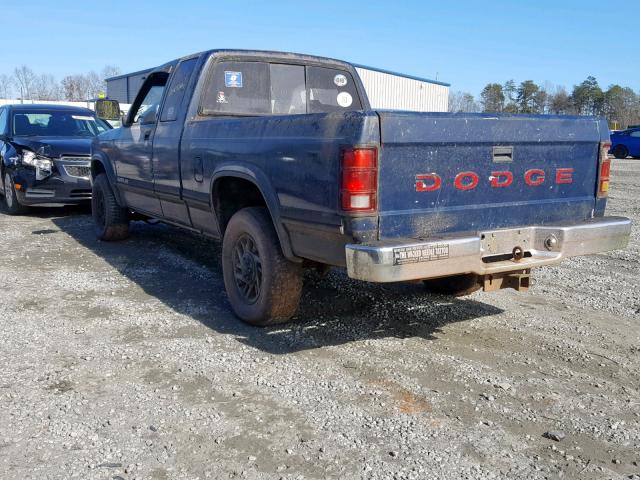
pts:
[244, 177]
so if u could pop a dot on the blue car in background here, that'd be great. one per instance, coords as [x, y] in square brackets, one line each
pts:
[626, 143]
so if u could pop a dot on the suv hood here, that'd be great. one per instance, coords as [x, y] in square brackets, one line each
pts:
[55, 146]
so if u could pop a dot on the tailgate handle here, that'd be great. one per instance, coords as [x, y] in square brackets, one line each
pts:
[502, 154]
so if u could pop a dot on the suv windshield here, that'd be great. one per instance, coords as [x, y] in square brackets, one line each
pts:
[56, 124]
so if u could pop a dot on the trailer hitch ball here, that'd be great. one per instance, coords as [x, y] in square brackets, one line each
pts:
[551, 242]
[518, 253]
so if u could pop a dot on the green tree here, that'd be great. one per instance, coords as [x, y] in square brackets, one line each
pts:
[510, 90]
[492, 98]
[541, 101]
[621, 106]
[560, 102]
[526, 97]
[588, 98]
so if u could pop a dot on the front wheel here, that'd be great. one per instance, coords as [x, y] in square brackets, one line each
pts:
[14, 207]
[456, 285]
[620, 152]
[264, 288]
[111, 222]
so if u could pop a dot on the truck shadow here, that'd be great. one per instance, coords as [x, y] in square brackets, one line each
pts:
[183, 271]
[52, 212]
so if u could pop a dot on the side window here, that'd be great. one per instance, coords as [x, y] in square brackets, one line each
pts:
[237, 88]
[176, 90]
[288, 95]
[330, 90]
[3, 120]
[149, 96]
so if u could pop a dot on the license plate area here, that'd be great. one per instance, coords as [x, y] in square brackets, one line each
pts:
[503, 242]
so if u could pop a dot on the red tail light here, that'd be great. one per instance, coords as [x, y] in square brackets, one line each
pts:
[604, 170]
[358, 191]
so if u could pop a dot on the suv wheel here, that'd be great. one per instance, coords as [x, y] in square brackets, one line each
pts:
[14, 207]
[263, 287]
[111, 222]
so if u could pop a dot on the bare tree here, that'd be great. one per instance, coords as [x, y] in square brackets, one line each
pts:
[74, 88]
[94, 85]
[86, 86]
[107, 72]
[110, 71]
[462, 102]
[45, 87]
[6, 86]
[24, 78]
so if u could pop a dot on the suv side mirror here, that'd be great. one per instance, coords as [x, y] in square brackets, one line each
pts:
[107, 109]
[123, 120]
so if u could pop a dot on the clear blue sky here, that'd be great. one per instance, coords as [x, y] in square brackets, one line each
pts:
[466, 43]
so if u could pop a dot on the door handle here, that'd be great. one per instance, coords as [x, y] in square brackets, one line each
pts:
[198, 169]
[147, 134]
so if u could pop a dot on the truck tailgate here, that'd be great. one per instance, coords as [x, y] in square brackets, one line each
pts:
[449, 173]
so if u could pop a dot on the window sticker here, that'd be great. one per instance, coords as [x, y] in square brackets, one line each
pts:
[221, 98]
[233, 79]
[340, 80]
[81, 117]
[344, 99]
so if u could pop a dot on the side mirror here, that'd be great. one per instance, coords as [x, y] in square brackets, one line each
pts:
[123, 120]
[107, 109]
[150, 116]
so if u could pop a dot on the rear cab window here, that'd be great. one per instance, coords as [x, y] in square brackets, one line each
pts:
[331, 90]
[263, 88]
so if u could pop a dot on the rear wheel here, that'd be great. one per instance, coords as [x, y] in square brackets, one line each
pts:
[456, 285]
[620, 151]
[111, 222]
[264, 287]
[14, 207]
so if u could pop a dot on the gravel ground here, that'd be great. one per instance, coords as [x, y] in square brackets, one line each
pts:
[122, 361]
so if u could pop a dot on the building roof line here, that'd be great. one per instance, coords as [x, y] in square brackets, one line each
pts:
[124, 75]
[398, 74]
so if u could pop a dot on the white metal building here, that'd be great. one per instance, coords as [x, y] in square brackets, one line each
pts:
[396, 91]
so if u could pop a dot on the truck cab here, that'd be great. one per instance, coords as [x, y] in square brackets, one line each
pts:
[282, 157]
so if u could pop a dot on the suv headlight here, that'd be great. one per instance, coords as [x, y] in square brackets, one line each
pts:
[42, 164]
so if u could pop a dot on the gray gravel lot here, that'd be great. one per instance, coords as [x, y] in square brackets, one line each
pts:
[123, 361]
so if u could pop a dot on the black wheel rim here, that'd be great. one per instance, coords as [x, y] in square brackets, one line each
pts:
[8, 191]
[98, 209]
[247, 268]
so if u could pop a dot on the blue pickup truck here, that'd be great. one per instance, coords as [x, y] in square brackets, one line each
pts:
[282, 157]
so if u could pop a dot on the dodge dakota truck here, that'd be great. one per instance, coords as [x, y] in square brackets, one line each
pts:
[282, 157]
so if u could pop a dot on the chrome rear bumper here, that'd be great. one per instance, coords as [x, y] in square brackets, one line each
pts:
[490, 252]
